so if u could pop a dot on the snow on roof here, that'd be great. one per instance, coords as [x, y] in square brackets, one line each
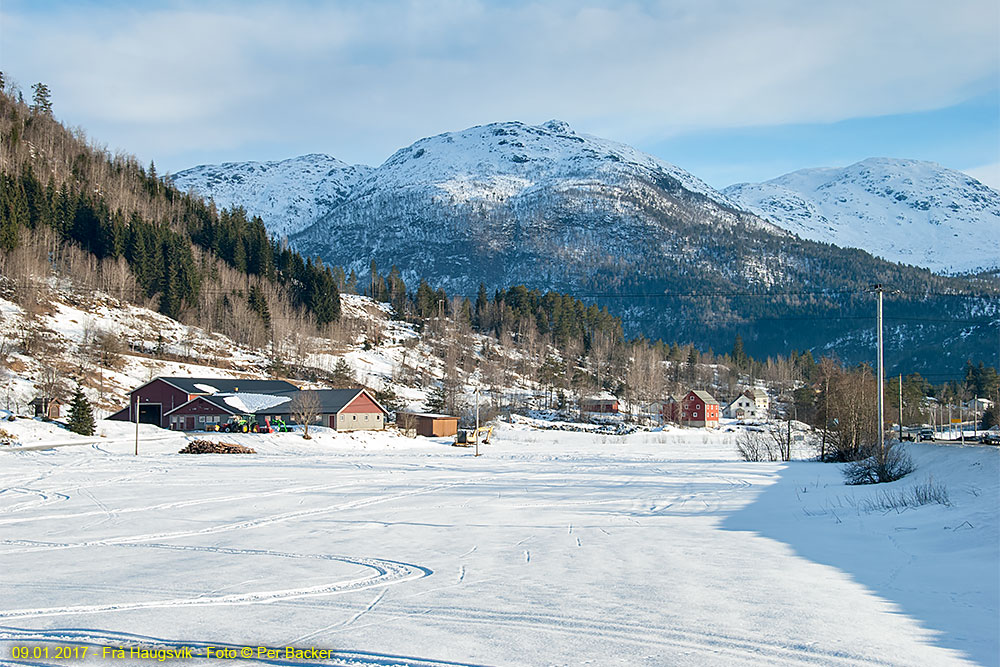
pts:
[207, 388]
[253, 403]
[603, 396]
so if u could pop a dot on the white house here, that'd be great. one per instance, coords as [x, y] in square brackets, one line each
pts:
[751, 404]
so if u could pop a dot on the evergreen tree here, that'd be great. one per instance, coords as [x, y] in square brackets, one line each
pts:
[42, 100]
[437, 400]
[738, 355]
[81, 417]
[342, 374]
[990, 419]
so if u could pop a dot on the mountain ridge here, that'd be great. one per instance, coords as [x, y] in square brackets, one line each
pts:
[902, 210]
[509, 203]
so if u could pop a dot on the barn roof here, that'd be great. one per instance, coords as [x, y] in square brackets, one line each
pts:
[228, 385]
[329, 401]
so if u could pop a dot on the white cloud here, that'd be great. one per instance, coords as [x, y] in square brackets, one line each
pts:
[361, 79]
[987, 174]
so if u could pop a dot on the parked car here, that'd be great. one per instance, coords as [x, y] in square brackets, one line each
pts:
[926, 434]
[991, 438]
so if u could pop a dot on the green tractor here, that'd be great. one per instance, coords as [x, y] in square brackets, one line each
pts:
[237, 424]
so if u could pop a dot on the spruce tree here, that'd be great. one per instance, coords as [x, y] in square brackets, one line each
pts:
[81, 417]
[42, 102]
[437, 400]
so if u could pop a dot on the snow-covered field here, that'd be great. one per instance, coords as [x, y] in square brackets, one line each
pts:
[656, 548]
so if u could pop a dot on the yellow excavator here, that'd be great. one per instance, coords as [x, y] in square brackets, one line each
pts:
[470, 437]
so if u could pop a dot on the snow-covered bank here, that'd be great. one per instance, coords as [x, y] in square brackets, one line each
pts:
[937, 564]
[551, 548]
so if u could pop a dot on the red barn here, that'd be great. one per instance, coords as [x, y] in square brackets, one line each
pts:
[153, 400]
[339, 409]
[698, 408]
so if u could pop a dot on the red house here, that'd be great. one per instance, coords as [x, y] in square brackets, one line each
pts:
[698, 408]
[598, 406]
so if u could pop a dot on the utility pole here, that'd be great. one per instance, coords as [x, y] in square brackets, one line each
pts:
[975, 418]
[477, 421]
[901, 407]
[961, 421]
[880, 399]
[137, 426]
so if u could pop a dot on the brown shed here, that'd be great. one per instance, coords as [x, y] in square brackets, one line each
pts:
[430, 425]
[48, 408]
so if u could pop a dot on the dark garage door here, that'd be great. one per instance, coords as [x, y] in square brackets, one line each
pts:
[150, 414]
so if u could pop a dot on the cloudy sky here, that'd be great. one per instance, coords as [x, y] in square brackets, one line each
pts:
[732, 91]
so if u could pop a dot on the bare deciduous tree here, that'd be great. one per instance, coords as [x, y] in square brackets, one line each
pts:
[305, 408]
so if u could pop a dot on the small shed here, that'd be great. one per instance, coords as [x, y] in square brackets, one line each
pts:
[428, 424]
[601, 404]
[48, 408]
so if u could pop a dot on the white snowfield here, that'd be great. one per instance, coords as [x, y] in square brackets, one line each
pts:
[658, 548]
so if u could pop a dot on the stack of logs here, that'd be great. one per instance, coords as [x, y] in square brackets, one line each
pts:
[209, 447]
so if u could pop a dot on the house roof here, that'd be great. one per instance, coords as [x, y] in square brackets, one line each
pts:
[704, 396]
[330, 401]
[428, 415]
[228, 385]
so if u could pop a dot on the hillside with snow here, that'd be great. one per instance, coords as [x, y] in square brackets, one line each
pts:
[906, 211]
[288, 195]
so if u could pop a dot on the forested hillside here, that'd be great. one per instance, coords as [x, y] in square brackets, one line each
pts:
[60, 194]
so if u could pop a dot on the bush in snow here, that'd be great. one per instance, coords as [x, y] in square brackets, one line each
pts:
[773, 443]
[887, 465]
[926, 493]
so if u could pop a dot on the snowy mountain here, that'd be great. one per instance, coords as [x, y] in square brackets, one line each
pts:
[906, 211]
[288, 195]
[501, 202]
[543, 206]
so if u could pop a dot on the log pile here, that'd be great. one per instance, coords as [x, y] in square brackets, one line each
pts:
[209, 447]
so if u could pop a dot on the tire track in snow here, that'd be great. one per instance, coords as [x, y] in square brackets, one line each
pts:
[388, 572]
[177, 504]
[743, 650]
[33, 545]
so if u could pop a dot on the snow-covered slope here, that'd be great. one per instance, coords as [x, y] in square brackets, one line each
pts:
[902, 210]
[288, 195]
[498, 203]
[493, 162]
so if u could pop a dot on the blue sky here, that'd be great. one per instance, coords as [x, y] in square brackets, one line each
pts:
[731, 91]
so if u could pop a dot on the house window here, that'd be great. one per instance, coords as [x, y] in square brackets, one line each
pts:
[695, 414]
[366, 417]
[201, 419]
[354, 418]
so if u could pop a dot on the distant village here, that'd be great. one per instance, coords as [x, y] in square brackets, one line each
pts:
[264, 406]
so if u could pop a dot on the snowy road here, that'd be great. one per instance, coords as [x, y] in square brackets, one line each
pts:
[553, 548]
